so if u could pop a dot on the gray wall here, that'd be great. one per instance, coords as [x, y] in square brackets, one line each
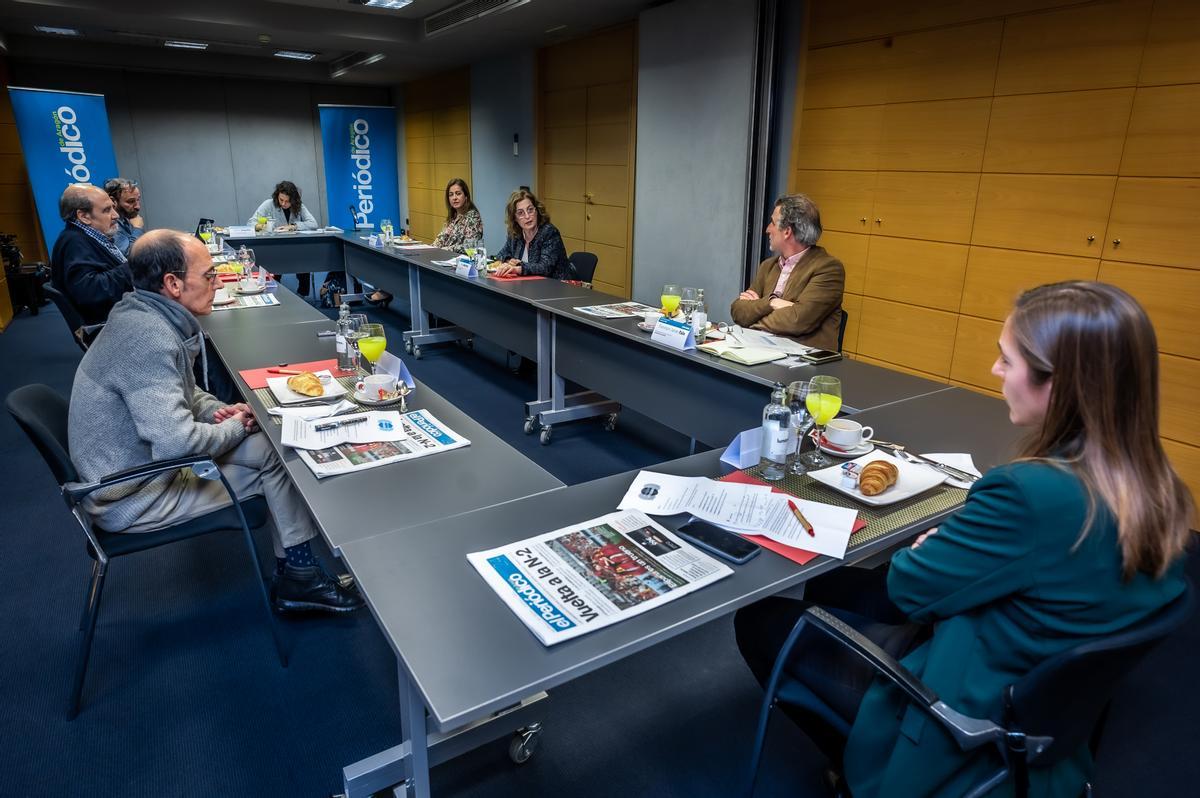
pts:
[208, 146]
[501, 105]
[695, 71]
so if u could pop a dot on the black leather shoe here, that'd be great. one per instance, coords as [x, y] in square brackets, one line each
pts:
[308, 589]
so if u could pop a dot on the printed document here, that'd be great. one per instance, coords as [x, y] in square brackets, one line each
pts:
[369, 427]
[422, 434]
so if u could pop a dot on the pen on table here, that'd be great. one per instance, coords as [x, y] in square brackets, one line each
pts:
[335, 424]
[283, 371]
[800, 517]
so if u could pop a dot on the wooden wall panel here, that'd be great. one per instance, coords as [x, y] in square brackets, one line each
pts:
[1155, 221]
[995, 277]
[1171, 53]
[852, 306]
[1078, 132]
[917, 66]
[934, 205]
[1186, 460]
[1170, 296]
[942, 136]
[975, 351]
[1163, 136]
[926, 273]
[841, 138]
[851, 250]
[1043, 213]
[845, 75]
[907, 335]
[1179, 383]
[846, 199]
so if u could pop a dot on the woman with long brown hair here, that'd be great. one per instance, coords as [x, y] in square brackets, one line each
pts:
[534, 246]
[1082, 536]
[464, 225]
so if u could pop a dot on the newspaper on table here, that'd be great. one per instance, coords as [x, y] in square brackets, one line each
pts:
[583, 577]
[619, 310]
[249, 301]
[421, 434]
[746, 337]
[373, 426]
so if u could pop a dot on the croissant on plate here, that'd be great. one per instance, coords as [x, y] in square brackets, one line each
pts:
[877, 476]
[306, 383]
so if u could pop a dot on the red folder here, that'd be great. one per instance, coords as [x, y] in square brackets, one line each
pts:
[257, 378]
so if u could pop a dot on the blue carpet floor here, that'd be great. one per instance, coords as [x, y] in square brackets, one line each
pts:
[186, 698]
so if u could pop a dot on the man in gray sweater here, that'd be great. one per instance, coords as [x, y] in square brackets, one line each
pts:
[135, 400]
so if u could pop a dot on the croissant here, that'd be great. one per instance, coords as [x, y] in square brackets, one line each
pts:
[306, 383]
[877, 476]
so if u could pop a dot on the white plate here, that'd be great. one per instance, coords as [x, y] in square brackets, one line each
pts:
[229, 300]
[286, 396]
[857, 451]
[913, 479]
[643, 326]
[257, 290]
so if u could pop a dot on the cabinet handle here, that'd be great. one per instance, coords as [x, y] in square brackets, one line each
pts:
[1091, 239]
[863, 220]
[1116, 242]
[879, 221]
[588, 217]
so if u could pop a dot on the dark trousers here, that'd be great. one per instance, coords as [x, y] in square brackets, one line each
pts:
[305, 281]
[836, 679]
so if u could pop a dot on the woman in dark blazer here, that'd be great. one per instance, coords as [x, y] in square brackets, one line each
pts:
[534, 246]
[1079, 538]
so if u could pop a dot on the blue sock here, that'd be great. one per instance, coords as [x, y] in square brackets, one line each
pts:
[300, 555]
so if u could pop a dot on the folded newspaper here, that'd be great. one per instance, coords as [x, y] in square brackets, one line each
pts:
[619, 310]
[574, 580]
[421, 434]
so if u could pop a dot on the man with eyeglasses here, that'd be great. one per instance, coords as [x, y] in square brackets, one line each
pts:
[86, 265]
[136, 400]
[127, 198]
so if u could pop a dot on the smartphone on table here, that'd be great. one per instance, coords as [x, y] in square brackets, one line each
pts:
[718, 542]
[821, 356]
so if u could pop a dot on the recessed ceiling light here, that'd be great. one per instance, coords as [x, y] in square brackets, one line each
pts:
[185, 45]
[353, 61]
[390, 4]
[56, 31]
[295, 55]
[556, 29]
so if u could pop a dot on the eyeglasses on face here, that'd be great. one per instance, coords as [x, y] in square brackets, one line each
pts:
[209, 275]
[526, 211]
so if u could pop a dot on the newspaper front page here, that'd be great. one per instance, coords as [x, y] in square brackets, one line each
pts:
[423, 435]
[573, 580]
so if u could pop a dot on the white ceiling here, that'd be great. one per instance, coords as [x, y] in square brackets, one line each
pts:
[129, 34]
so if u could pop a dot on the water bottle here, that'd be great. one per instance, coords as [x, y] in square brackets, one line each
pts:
[776, 434]
[344, 361]
[700, 317]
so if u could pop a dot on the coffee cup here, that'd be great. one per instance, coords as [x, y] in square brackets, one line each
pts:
[376, 387]
[247, 284]
[846, 433]
[651, 317]
[220, 295]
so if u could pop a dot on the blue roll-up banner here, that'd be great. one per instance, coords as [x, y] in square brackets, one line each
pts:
[360, 165]
[65, 139]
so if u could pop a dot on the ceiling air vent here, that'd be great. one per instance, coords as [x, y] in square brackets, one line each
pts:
[468, 11]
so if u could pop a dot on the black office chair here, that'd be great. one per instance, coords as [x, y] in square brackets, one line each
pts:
[83, 334]
[42, 413]
[585, 265]
[1048, 714]
[842, 328]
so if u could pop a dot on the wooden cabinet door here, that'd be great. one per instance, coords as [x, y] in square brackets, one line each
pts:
[1154, 220]
[1043, 213]
[845, 199]
[937, 206]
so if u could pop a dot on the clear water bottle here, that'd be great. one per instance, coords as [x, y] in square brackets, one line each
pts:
[700, 317]
[776, 435]
[345, 361]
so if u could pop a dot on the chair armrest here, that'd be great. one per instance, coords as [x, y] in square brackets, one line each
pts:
[202, 464]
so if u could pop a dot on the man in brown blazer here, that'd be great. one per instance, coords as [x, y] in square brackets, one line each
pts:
[798, 291]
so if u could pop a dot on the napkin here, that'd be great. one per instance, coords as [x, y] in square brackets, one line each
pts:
[311, 413]
[960, 460]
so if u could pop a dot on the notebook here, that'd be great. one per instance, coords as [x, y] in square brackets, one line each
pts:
[746, 355]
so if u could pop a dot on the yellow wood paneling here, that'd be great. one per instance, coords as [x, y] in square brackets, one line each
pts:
[1179, 383]
[563, 145]
[611, 266]
[1079, 132]
[837, 21]
[418, 124]
[608, 145]
[1186, 460]
[567, 216]
[12, 169]
[564, 182]
[874, 361]
[1171, 297]
[995, 277]
[919, 338]
[845, 199]
[420, 175]
[852, 305]
[851, 250]
[452, 148]
[845, 75]
[609, 104]
[1155, 220]
[606, 57]
[608, 185]
[418, 201]
[1164, 133]
[574, 245]
[926, 273]
[6, 309]
[443, 173]
[840, 138]
[564, 108]
[452, 121]
[1093, 46]
[943, 64]
[425, 226]
[975, 351]
[937, 206]
[1171, 53]
[607, 224]
[1043, 213]
[418, 150]
[940, 136]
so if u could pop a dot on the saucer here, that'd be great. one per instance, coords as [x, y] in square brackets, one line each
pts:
[229, 300]
[255, 290]
[363, 400]
[857, 451]
[644, 327]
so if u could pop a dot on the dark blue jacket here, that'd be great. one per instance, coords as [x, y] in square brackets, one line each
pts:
[88, 274]
[547, 255]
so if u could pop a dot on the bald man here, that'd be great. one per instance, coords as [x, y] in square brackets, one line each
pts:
[86, 264]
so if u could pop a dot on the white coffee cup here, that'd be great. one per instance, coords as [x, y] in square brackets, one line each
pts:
[372, 385]
[221, 295]
[248, 284]
[846, 433]
[651, 317]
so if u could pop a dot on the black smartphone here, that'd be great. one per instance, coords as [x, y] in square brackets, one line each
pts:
[821, 356]
[720, 542]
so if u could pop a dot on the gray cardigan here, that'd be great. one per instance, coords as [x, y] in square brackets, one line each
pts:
[304, 221]
[135, 400]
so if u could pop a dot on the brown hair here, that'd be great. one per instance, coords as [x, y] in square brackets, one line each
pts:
[293, 193]
[510, 211]
[1098, 347]
[467, 208]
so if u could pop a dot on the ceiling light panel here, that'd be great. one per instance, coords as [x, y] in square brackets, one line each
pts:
[56, 31]
[185, 45]
[295, 55]
[388, 4]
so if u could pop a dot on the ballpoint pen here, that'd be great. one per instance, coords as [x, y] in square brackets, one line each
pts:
[800, 517]
[335, 424]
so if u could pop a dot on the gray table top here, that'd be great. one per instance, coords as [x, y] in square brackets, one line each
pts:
[290, 310]
[362, 504]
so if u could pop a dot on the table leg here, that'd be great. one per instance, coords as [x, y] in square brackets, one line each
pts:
[413, 724]
[554, 404]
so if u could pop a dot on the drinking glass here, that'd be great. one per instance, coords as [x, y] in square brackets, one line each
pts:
[670, 299]
[372, 342]
[689, 298]
[469, 247]
[824, 400]
[354, 330]
[801, 422]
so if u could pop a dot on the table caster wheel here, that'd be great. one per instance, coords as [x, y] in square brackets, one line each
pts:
[408, 346]
[530, 425]
[524, 742]
[544, 437]
[610, 422]
[470, 343]
[416, 352]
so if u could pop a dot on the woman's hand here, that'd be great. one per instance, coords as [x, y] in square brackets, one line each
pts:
[921, 538]
[510, 266]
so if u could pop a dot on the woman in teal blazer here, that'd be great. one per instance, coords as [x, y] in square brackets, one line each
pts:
[1080, 538]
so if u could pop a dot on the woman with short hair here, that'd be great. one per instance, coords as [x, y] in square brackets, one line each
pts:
[534, 246]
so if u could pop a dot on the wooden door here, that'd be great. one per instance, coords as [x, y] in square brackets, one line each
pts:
[437, 143]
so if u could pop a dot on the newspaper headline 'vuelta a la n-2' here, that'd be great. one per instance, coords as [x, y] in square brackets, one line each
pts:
[583, 577]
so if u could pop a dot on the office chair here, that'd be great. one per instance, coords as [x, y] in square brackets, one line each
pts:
[83, 334]
[1048, 714]
[42, 413]
[842, 328]
[585, 265]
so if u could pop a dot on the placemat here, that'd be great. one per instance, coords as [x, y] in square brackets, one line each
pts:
[268, 399]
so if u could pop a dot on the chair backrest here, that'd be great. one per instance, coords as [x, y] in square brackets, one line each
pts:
[842, 328]
[585, 265]
[1065, 696]
[42, 412]
[69, 313]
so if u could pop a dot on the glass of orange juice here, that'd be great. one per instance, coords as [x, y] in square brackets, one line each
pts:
[670, 299]
[823, 401]
[373, 342]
